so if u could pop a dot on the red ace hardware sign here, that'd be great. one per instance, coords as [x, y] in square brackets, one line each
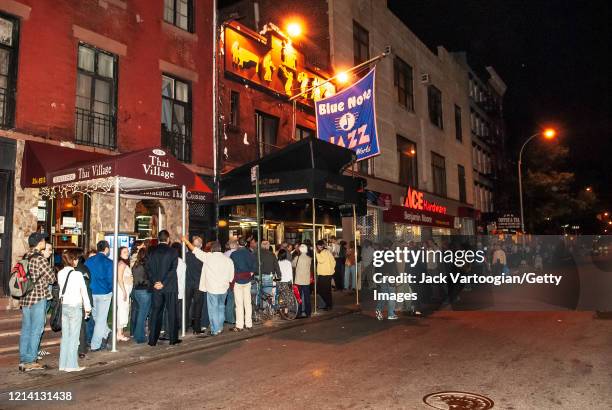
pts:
[415, 200]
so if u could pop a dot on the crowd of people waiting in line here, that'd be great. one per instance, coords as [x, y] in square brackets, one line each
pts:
[217, 286]
[153, 279]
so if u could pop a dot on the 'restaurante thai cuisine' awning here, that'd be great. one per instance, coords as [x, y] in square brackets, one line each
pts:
[152, 172]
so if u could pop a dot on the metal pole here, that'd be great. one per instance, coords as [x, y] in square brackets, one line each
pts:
[520, 180]
[370, 61]
[115, 261]
[260, 278]
[293, 119]
[314, 254]
[183, 230]
[356, 256]
[216, 118]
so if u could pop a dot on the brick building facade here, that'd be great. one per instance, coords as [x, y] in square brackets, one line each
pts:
[102, 76]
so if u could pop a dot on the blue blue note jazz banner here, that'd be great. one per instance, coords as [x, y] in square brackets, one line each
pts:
[348, 119]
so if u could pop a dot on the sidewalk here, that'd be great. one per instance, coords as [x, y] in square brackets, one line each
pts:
[131, 354]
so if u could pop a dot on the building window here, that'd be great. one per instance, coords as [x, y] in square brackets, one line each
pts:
[302, 133]
[176, 117]
[179, 13]
[458, 133]
[361, 43]
[434, 98]
[363, 167]
[96, 102]
[9, 41]
[402, 74]
[408, 164]
[461, 176]
[267, 132]
[438, 172]
[234, 109]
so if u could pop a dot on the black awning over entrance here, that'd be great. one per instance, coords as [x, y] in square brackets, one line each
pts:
[309, 168]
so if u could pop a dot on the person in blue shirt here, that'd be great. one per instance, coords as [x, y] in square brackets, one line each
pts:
[101, 268]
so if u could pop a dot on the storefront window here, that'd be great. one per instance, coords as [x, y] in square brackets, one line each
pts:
[406, 233]
[368, 225]
[440, 235]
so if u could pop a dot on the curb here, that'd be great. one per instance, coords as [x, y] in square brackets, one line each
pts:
[75, 377]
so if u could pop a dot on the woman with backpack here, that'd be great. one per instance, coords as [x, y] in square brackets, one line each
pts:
[74, 299]
[142, 295]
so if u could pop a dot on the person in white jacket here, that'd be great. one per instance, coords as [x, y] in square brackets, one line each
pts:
[217, 273]
[73, 297]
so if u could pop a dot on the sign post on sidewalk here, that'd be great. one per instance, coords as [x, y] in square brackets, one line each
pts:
[255, 178]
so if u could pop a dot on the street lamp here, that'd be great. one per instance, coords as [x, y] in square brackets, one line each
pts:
[294, 29]
[342, 77]
[588, 189]
[549, 134]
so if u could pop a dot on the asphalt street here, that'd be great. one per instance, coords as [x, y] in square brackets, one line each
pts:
[543, 360]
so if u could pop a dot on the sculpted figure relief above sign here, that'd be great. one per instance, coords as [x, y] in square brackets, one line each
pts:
[271, 61]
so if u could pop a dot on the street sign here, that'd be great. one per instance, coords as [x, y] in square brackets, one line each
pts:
[254, 173]
[509, 221]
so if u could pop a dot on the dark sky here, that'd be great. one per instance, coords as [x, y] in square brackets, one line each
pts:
[552, 54]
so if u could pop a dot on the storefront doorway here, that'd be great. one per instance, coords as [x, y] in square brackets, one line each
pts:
[67, 221]
[7, 184]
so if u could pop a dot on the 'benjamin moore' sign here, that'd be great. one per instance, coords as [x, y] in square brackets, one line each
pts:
[348, 119]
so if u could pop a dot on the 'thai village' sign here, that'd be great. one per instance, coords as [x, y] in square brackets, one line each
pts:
[271, 61]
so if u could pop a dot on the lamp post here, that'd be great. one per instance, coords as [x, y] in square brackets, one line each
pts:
[548, 134]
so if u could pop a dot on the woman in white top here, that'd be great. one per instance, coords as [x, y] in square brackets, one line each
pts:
[286, 271]
[74, 298]
[284, 264]
[125, 282]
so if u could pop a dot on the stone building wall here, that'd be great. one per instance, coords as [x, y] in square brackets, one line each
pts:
[25, 209]
[103, 216]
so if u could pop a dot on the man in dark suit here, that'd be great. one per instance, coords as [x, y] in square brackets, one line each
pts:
[161, 265]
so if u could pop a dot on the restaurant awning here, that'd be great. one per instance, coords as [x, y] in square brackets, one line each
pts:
[152, 172]
[135, 174]
[310, 168]
[40, 158]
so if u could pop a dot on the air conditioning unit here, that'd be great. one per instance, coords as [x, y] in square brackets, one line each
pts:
[425, 79]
